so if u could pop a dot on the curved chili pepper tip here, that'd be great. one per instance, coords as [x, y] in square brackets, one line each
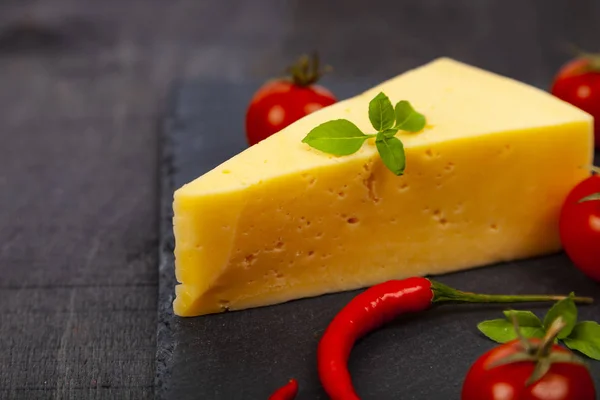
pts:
[286, 392]
[368, 311]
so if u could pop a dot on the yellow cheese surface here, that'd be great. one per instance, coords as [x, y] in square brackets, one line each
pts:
[484, 183]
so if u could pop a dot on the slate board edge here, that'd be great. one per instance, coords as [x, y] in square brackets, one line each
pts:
[168, 125]
[165, 335]
[166, 274]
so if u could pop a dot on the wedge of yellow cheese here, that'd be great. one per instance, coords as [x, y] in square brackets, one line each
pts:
[484, 183]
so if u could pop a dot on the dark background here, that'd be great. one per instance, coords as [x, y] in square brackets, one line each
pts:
[83, 86]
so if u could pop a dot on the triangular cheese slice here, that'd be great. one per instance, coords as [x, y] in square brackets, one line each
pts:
[484, 183]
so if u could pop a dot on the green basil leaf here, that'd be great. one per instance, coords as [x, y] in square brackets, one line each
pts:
[591, 197]
[566, 309]
[339, 137]
[407, 118]
[524, 318]
[585, 338]
[391, 151]
[532, 332]
[502, 331]
[499, 330]
[381, 112]
[390, 132]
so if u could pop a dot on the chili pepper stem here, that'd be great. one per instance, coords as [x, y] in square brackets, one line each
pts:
[443, 293]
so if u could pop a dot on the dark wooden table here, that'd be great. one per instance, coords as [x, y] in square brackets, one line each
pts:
[82, 88]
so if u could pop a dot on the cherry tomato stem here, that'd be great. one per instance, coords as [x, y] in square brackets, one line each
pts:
[281, 102]
[491, 379]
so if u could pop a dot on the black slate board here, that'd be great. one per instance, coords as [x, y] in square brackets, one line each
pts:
[247, 354]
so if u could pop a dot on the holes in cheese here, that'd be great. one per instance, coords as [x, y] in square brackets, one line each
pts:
[473, 180]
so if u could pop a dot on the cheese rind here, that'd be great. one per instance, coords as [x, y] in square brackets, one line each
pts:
[484, 183]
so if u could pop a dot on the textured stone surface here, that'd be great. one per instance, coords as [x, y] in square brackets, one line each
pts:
[247, 354]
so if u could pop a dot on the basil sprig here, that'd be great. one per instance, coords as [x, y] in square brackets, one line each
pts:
[341, 137]
[581, 336]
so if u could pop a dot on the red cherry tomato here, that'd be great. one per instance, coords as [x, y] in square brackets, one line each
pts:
[280, 102]
[578, 83]
[580, 227]
[564, 381]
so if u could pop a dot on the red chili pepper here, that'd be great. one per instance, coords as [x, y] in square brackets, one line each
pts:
[381, 304]
[286, 392]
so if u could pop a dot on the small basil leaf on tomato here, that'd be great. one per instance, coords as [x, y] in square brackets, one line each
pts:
[567, 310]
[339, 137]
[502, 331]
[524, 318]
[391, 151]
[532, 332]
[381, 112]
[585, 338]
[407, 118]
[591, 197]
[499, 330]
